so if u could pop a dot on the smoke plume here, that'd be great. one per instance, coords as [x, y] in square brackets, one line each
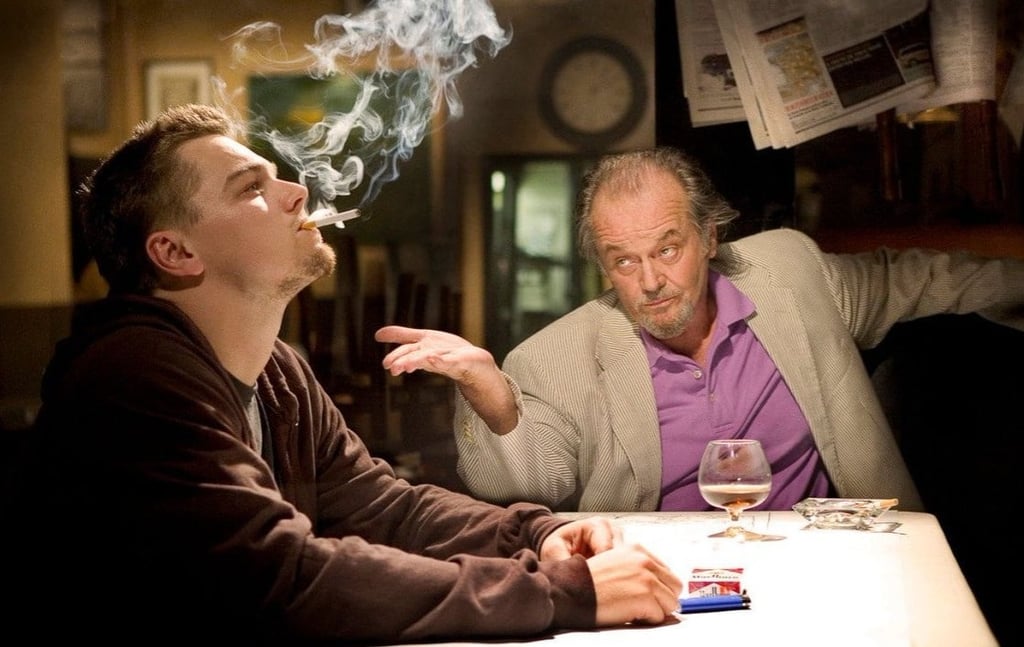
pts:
[407, 52]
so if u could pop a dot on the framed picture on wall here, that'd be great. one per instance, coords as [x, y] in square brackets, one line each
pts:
[176, 82]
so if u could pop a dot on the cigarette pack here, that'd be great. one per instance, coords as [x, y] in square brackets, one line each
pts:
[715, 581]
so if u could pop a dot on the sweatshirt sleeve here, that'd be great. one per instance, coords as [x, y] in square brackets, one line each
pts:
[388, 560]
[146, 514]
[373, 592]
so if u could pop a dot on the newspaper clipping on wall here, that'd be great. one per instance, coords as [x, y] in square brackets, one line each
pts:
[709, 82]
[803, 68]
[964, 43]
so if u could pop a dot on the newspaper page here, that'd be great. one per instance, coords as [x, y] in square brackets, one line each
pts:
[964, 41]
[709, 82]
[744, 83]
[819, 66]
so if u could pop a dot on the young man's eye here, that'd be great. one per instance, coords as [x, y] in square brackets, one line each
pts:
[255, 187]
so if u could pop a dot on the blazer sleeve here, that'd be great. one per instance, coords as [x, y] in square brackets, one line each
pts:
[878, 289]
[536, 461]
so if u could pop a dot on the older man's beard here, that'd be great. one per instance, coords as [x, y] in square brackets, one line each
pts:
[672, 328]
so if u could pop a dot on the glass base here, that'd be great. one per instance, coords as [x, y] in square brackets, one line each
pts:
[739, 533]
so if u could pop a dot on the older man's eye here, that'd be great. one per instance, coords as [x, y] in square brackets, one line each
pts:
[624, 265]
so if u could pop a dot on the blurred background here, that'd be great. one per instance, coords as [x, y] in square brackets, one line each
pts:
[475, 234]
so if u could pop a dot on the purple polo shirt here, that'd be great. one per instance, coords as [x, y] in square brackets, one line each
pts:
[739, 394]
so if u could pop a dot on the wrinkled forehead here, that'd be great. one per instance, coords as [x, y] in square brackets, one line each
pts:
[642, 196]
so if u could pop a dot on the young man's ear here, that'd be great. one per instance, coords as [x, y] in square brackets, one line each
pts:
[172, 255]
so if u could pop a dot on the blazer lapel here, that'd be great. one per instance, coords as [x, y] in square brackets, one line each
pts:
[626, 379]
[777, 324]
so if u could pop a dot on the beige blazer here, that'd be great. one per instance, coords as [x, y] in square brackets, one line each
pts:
[588, 436]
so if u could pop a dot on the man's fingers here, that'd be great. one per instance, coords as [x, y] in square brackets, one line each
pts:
[398, 335]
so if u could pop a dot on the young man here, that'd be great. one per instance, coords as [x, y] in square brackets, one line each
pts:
[188, 477]
[610, 407]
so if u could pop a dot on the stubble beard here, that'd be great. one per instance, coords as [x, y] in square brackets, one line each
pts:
[321, 262]
[673, 327]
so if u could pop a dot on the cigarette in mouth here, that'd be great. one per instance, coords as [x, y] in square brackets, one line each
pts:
[324, 217]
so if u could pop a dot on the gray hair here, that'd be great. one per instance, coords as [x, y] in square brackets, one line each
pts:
[624, 171]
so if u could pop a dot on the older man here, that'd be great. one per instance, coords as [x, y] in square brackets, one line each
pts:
[610, 407]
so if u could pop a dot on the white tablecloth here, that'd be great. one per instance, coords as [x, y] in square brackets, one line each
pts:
[815, 587]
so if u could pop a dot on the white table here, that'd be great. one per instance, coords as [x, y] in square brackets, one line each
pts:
[815, 587]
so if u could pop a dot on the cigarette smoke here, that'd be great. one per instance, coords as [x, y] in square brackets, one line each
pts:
[418, 49]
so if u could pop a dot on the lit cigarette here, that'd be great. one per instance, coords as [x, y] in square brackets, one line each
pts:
[324, 217]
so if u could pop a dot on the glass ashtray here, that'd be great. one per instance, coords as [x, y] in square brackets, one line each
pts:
[857, 514]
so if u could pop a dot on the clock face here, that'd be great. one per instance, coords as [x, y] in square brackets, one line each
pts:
[593, 92]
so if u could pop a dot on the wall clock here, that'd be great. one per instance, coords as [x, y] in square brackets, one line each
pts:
[593, 92]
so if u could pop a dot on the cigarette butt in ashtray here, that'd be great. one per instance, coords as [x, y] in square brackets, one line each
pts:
[885, 504]
[324, 217]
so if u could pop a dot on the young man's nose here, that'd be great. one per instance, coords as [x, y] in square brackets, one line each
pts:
[294, 196]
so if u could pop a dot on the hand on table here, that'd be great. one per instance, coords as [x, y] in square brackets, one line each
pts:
[630, 582]
[633, 585]
[586, 537]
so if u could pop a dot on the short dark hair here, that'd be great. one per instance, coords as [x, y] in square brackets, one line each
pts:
[623, 171]
[142, 186]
